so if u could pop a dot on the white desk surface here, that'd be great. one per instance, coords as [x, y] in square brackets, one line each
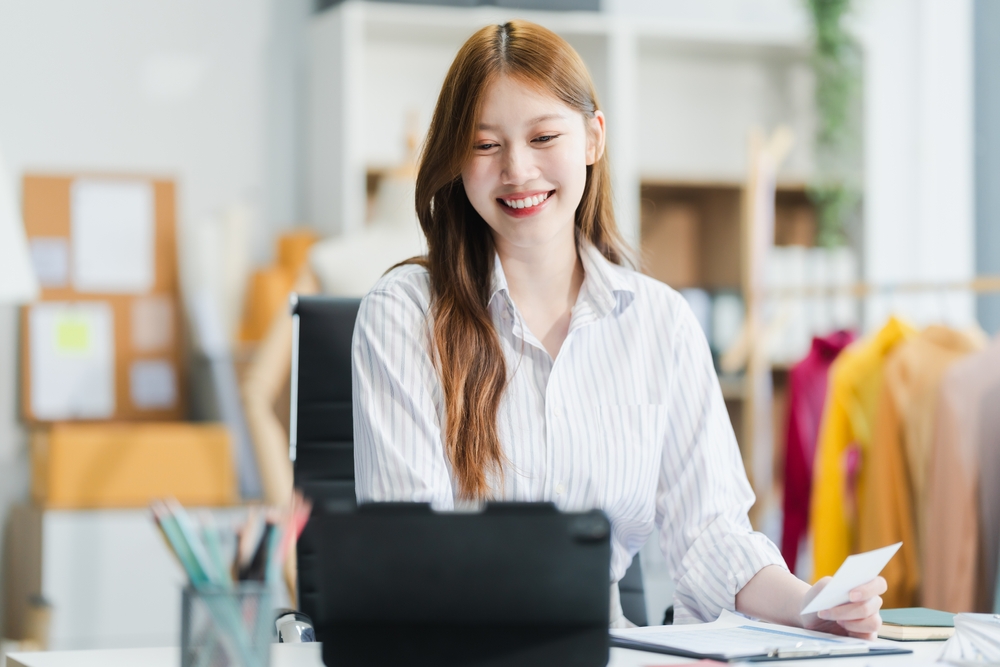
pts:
[308, 655]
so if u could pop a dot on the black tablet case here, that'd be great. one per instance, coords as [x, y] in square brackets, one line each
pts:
[516, 584]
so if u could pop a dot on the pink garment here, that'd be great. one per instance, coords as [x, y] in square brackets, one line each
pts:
[807, 384]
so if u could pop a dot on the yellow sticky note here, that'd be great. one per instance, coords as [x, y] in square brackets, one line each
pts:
[72, 335]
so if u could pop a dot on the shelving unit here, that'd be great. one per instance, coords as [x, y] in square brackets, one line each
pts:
[692, 236]
[679, 98]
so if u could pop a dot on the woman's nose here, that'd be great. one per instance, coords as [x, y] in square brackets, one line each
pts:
[518, 166]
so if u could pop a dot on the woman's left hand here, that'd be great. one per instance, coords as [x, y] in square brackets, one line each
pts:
[857, 618]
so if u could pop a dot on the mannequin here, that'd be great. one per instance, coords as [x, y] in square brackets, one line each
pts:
[350, 265]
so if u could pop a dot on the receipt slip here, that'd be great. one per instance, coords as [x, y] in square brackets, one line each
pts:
[856, 570]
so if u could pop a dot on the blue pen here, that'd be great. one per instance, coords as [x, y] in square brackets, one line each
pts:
[190, 535]
[213, 544]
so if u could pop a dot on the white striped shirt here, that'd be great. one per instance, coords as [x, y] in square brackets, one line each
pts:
[628, 418]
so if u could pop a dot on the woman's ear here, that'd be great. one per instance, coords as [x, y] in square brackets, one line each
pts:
[595, 137]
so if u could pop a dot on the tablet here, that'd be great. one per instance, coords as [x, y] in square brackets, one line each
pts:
[514, 584]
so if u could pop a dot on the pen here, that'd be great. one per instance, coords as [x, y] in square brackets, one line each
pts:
[800, 650]
[213, 545]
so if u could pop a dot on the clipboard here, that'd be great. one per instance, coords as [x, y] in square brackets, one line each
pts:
[734, 638]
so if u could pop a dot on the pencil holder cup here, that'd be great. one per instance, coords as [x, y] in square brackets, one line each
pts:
[227, 627]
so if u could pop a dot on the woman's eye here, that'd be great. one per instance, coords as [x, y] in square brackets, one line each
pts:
[545, 138]
[485, 147]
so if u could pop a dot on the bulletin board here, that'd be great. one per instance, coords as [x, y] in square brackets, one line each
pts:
[103, 342]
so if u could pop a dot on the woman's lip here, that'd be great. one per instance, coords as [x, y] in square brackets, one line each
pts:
[525, 212]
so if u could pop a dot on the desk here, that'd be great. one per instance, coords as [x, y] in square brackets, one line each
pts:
[308, 655]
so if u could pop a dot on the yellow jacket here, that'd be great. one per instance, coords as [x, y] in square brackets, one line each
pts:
[848, 425]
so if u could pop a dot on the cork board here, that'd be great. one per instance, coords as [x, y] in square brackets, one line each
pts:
[146, 325]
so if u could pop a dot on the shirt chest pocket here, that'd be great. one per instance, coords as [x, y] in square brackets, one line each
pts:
[629, 441]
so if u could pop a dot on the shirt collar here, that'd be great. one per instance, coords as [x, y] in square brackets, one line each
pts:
[604, 283]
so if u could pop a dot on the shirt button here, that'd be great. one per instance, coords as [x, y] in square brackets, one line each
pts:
[560, 489]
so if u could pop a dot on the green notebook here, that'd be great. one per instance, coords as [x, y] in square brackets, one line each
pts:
[919, 616]
[916, 624]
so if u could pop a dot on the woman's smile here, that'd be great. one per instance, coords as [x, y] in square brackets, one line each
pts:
[524, 204]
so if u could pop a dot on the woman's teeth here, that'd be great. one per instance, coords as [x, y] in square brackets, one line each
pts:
[527, 202]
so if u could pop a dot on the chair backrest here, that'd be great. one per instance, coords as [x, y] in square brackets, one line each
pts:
[321, 428]
[321, 433]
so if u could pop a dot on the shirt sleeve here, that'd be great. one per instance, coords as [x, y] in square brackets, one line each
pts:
[398, 447]
[703, 495]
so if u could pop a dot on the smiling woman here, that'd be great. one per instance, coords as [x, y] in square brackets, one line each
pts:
[519, 360]
[548, 143]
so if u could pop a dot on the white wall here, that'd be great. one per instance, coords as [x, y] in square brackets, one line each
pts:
[919, 199]
[172, 87]
[165, 86]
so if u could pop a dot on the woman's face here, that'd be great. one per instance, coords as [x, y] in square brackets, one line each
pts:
[529, 164]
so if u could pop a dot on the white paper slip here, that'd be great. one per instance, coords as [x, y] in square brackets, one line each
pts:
[113, 224]
[72, 360]
[856, 570]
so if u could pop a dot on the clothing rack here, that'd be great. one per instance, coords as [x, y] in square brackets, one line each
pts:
[979, 285]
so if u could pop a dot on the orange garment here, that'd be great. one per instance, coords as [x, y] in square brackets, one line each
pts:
[848, 424]
[950, 555]
[900, 452]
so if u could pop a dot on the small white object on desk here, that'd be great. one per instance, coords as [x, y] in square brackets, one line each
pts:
[856, 570]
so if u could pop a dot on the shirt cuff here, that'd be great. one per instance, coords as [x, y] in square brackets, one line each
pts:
[719, 564]
[617, 616]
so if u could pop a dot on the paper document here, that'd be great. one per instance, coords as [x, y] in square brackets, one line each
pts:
[153, 384]
[152, 324]
[856, 570]
[72, 360]
[976, 640]
[50, 256]
[113, 236]
[734, 637]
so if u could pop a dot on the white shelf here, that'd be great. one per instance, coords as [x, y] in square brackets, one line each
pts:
[680, 96]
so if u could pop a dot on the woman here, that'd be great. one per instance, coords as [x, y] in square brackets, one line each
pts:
[519, 360]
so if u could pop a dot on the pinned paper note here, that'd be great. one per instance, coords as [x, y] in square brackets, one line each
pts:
[72, 360]
[74, 334]
[113, 236]
[153, 385]
[152, 324]
[50, 257]
[855, 571]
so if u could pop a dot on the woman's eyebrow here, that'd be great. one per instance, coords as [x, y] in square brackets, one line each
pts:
[533, 121]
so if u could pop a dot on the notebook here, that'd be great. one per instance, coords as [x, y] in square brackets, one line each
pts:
[916, 624]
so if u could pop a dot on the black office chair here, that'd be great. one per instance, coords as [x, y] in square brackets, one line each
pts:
[321, 432]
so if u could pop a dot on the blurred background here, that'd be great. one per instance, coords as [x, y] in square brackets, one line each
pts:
[173, 169]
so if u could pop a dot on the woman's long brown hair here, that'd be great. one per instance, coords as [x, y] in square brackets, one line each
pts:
[460, 251]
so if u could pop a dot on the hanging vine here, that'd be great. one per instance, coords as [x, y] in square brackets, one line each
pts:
[836, 62]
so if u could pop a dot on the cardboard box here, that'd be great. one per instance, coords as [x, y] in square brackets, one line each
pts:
[104, 465]
[671, 245]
